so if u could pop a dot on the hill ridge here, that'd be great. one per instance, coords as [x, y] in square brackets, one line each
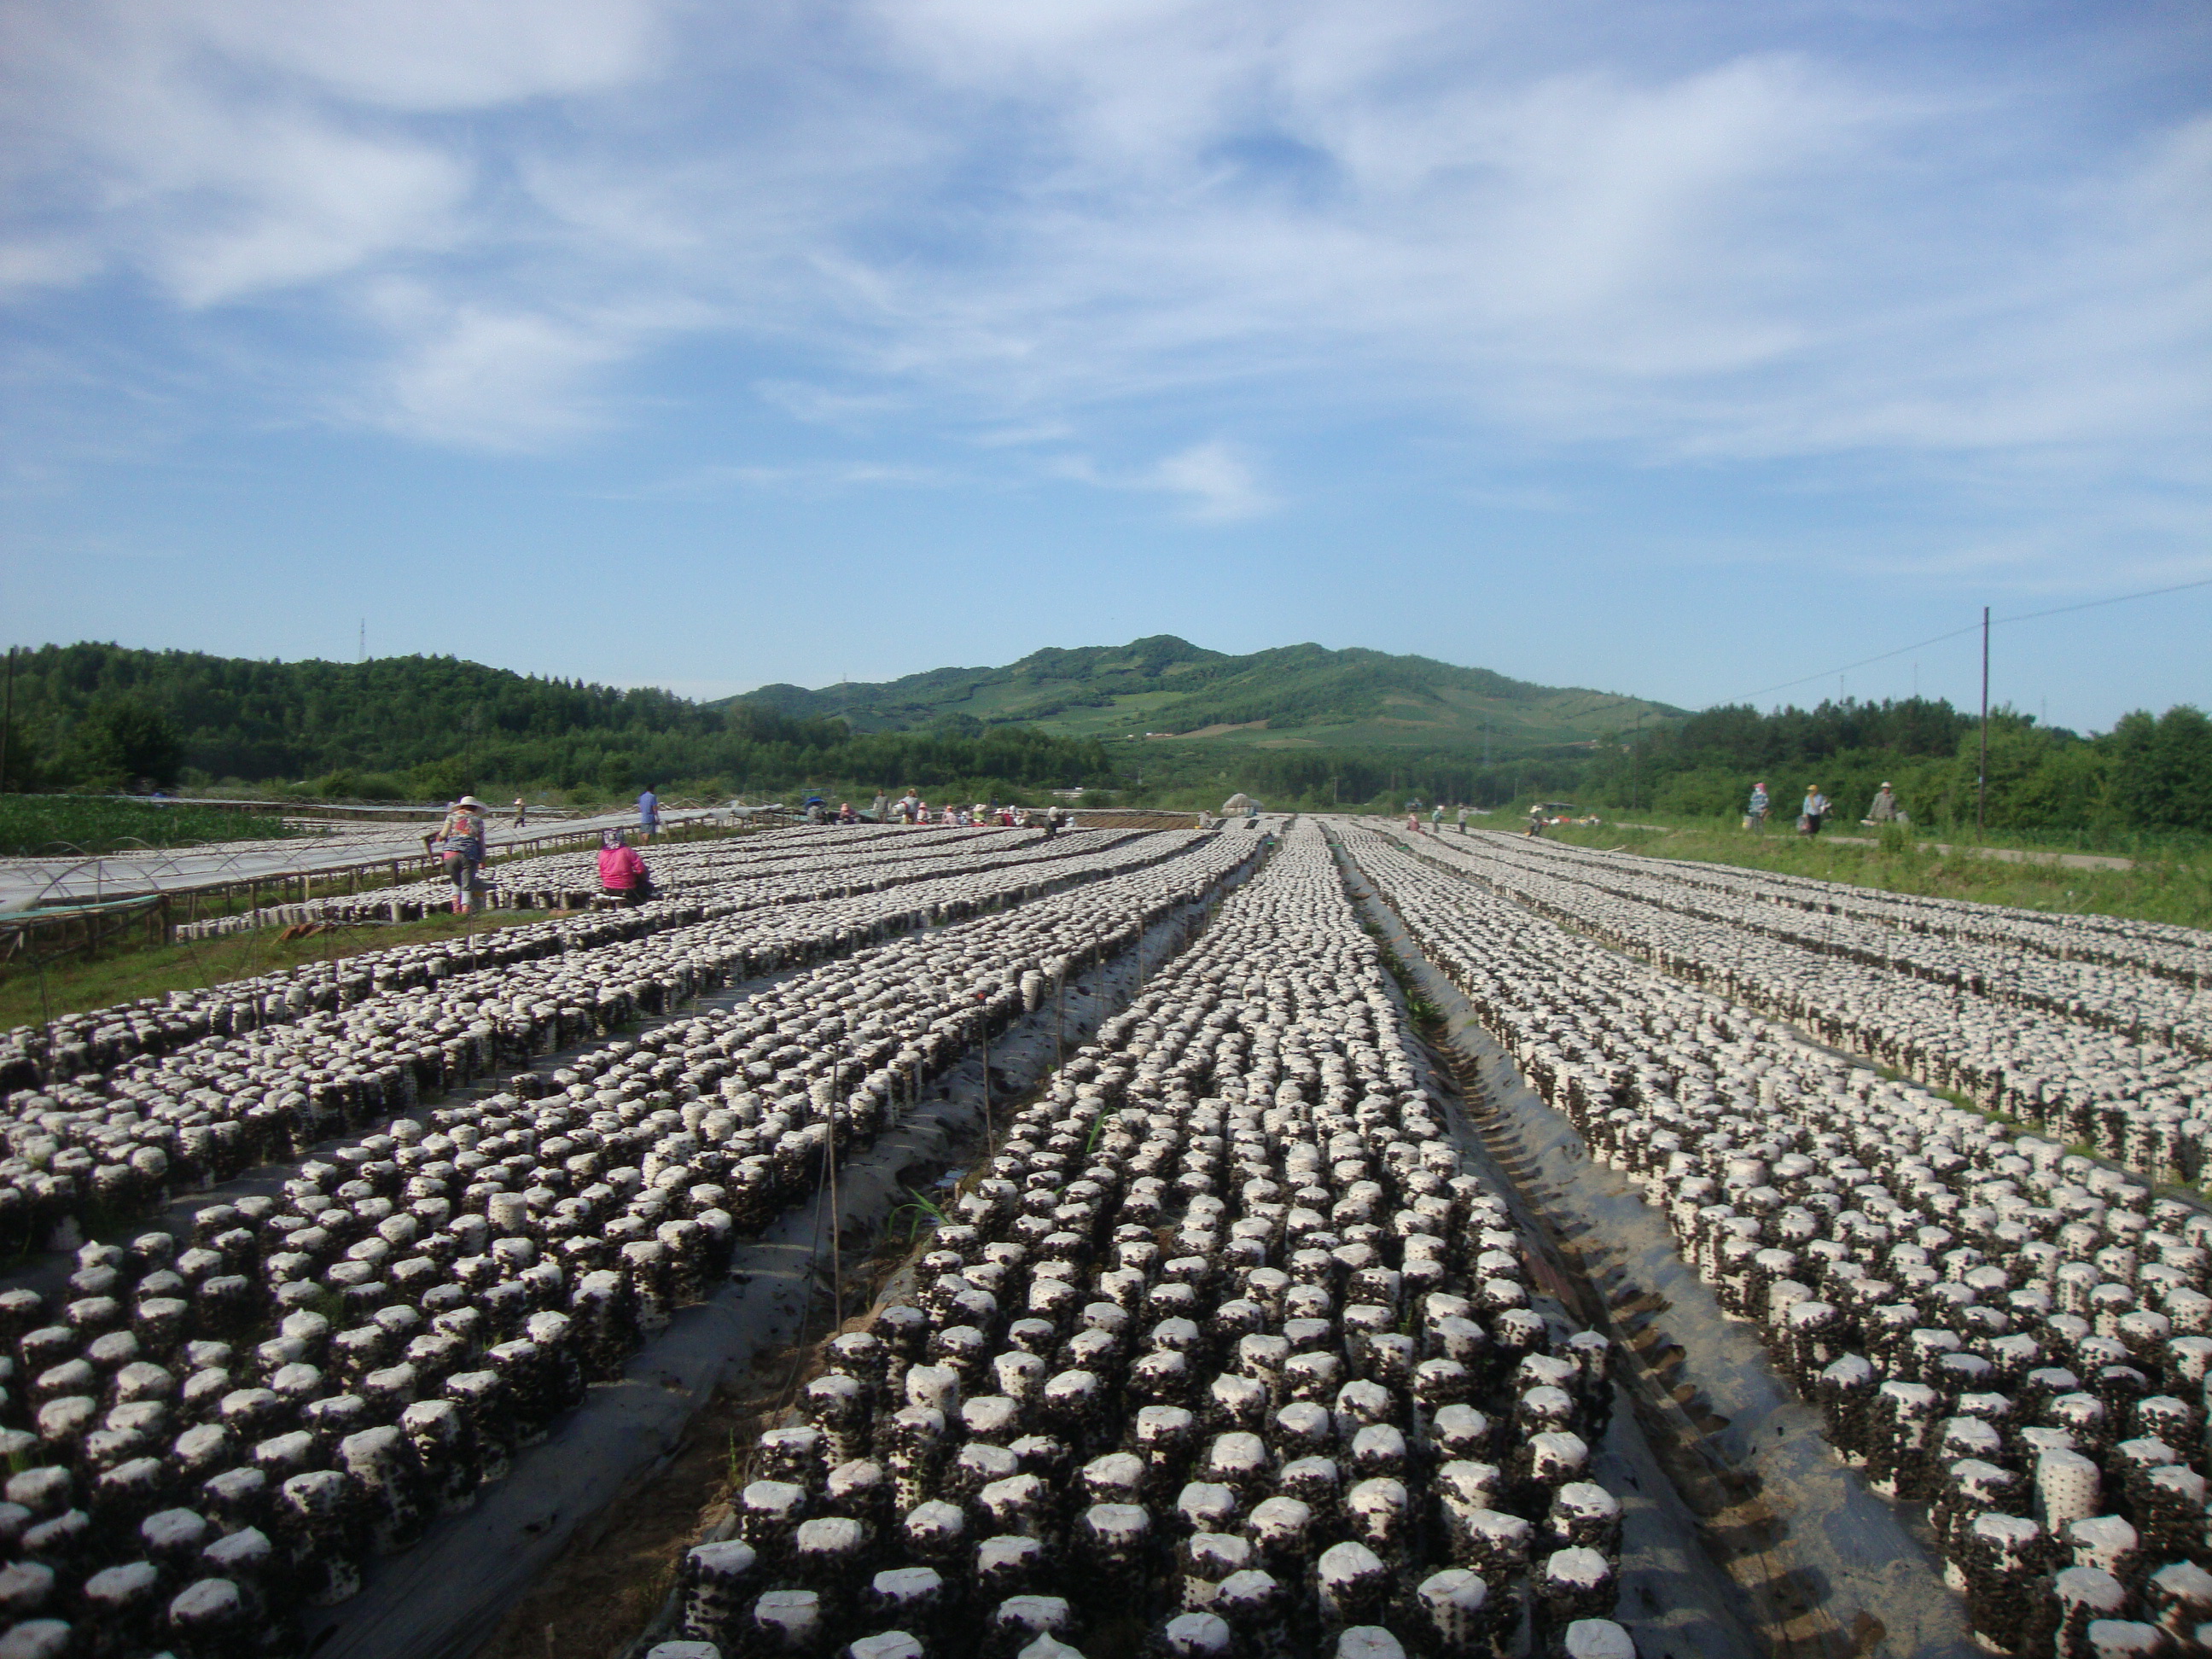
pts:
[1164, 688]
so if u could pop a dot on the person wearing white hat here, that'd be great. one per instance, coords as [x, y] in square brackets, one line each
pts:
[462, 840]
[1884, 810]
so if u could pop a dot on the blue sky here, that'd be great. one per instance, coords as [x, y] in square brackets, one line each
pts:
[1676, 349]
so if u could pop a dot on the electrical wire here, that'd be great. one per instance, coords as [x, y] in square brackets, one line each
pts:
[1994, 621]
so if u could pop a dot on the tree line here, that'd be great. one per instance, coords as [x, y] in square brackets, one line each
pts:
[95, 717]
[2149, 773]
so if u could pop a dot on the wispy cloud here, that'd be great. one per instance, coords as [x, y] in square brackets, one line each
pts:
[1216, 482]
[810, 477]
[821, 406]
[1697, 237]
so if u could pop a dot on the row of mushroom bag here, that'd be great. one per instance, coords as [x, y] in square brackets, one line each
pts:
[2114, 1055]
[110, 1115]
[213, 1430]
[2166, 950]
[2018, 1336]
[1223, 1351]
[785, 866]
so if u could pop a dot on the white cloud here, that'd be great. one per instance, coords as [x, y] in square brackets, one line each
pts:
[1692, 234]
[36, 262]
[300, 201]
[811, 478]
[822, 407]
[492, 379]
[438, 54]
[1216, 481]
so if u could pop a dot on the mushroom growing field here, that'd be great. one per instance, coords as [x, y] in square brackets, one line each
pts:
[1228, 1336]
[2003, 1320]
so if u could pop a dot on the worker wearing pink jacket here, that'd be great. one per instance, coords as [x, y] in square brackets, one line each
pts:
[622, 871]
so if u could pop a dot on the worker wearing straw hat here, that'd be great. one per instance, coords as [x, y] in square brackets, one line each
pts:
[462, 841]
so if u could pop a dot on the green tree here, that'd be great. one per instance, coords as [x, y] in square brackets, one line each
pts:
[127, 741]
[2161, 769]
[24, 771]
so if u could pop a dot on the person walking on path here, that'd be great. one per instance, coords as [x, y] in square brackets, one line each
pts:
[1754, 815]
[623, 873]
[648, 813]
[1884, 810]
[1462, 820]
[522, 814]
[461, 842]
[1815, 808]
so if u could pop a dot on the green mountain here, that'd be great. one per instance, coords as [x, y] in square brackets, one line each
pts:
[1165, 690]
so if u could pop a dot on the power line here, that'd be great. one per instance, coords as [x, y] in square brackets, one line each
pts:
[1863, 661]
[2090, 605]
[2031, 616]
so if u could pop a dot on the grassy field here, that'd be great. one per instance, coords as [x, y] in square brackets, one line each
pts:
[34, 824]
[2173, 886]
[129, 972]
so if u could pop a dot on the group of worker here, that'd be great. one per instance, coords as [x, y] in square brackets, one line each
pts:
[1436, 819]
[911, 808]
[1817, 808]
[462, 841]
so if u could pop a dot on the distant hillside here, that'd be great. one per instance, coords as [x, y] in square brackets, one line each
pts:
[1298, 696]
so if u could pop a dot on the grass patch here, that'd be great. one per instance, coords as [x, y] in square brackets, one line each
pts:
[2174, 887]
[127, 972]
[31, 825]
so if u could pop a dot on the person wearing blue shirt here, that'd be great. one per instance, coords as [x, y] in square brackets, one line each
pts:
[1754, 816]
[648, 813]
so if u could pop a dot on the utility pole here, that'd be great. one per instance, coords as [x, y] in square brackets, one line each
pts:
[1982, 777]
[7, 719]
[836, 1238]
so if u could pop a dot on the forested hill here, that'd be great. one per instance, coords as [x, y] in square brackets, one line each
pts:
[1295, 697]
[100, 716]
